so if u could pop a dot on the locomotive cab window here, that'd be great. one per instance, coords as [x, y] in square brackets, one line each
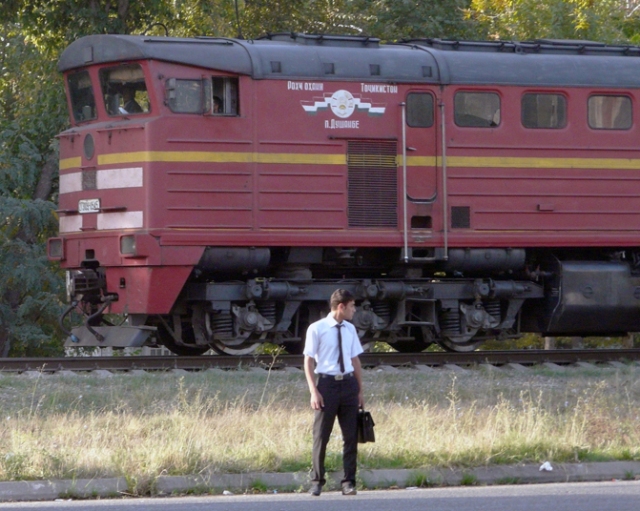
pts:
[610, 112]
[225, 96]
[477, 109]
[419, 110]
[544, 111]
[124, 90]
[189, 96]
[83, 104]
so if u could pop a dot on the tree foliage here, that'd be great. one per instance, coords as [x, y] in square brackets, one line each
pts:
[33, 110]
[596, 20]
[400, 19]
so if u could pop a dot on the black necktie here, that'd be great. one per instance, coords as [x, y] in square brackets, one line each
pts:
[340, 356]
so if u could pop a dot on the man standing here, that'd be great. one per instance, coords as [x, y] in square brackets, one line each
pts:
[333, 344]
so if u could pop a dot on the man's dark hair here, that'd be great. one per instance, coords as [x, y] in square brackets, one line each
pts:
[341, 296]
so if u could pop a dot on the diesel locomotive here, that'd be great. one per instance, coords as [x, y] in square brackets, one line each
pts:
[215, 191]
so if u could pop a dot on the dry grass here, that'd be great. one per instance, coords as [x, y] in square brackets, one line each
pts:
[144, 426]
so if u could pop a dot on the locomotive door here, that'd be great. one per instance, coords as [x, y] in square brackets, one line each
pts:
[421, 151]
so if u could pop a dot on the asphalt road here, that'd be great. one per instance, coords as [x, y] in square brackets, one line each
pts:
[614, 495]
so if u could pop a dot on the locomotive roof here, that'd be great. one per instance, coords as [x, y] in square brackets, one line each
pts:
[299, 56]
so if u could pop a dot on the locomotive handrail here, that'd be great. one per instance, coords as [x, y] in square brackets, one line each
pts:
[405, 233]
[321, 38]
[121, 127]
[196, 40]
[440, 63]
[445, 218]
[536, 46]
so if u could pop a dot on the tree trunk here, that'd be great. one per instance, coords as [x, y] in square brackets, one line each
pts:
[5, 344]
[123, 14]
[45, 183]
[12, 298]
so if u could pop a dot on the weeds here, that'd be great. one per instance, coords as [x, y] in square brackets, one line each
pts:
[141, 427]
[420, 480]
[468, 480]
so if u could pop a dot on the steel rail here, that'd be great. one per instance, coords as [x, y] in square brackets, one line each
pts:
[369, 360]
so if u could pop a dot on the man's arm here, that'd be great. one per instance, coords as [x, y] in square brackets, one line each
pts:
[357, 371]
[317, 403]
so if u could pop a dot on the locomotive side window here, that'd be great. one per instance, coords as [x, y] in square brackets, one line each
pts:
[419, 110]
[477, 109]
[189, 96]
[225, 96]
[610, 112]
[544, 111]
[83, 103]
[124, 90]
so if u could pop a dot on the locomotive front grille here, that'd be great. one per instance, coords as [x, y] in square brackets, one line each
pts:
[373, 183]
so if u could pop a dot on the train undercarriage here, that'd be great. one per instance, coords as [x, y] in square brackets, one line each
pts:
[457, 308]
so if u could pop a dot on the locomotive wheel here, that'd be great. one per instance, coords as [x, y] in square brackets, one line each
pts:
[245, 348]
[419, 344]
[458, 347]
[166, 339]
[244, 345]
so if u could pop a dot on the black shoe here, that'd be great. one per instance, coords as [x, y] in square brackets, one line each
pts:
[349, 489]
[315, 490]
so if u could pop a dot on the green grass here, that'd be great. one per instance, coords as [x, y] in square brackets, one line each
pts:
[141, 427]
[420, 480]
[468, 480]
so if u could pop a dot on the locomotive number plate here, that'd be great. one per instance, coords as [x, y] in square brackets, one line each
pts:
[89, 206]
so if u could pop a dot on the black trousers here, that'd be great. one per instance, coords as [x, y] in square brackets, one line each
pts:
[340, 400]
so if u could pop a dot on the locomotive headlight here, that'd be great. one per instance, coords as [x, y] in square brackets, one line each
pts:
[139, 245]
[55, 248]
[128, 245]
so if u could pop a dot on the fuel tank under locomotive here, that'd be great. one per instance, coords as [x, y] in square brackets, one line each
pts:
[586, 298]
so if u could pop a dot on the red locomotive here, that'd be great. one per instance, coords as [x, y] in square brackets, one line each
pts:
[216, 191]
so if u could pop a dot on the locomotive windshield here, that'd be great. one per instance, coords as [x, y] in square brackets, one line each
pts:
[124, 90]
[83, 104]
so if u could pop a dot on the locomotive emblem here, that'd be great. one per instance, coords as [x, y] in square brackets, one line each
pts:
[342, 103]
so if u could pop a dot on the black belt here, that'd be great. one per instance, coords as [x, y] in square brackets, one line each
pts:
[336, 376]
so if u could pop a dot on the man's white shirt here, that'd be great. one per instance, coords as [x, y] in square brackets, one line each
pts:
[322, 345]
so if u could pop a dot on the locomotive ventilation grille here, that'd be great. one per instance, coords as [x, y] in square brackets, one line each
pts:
[373, 183]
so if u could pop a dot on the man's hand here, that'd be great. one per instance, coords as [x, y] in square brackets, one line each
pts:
[357, 371]
[317, 403]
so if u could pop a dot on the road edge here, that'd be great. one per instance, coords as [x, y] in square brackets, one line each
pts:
[209, 482]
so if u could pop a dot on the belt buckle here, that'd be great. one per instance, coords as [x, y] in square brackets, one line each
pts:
[339, 377]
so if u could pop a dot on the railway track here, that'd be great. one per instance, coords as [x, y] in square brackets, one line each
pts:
[369, 360]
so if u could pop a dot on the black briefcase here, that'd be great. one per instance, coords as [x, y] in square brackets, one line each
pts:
[365, 427]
